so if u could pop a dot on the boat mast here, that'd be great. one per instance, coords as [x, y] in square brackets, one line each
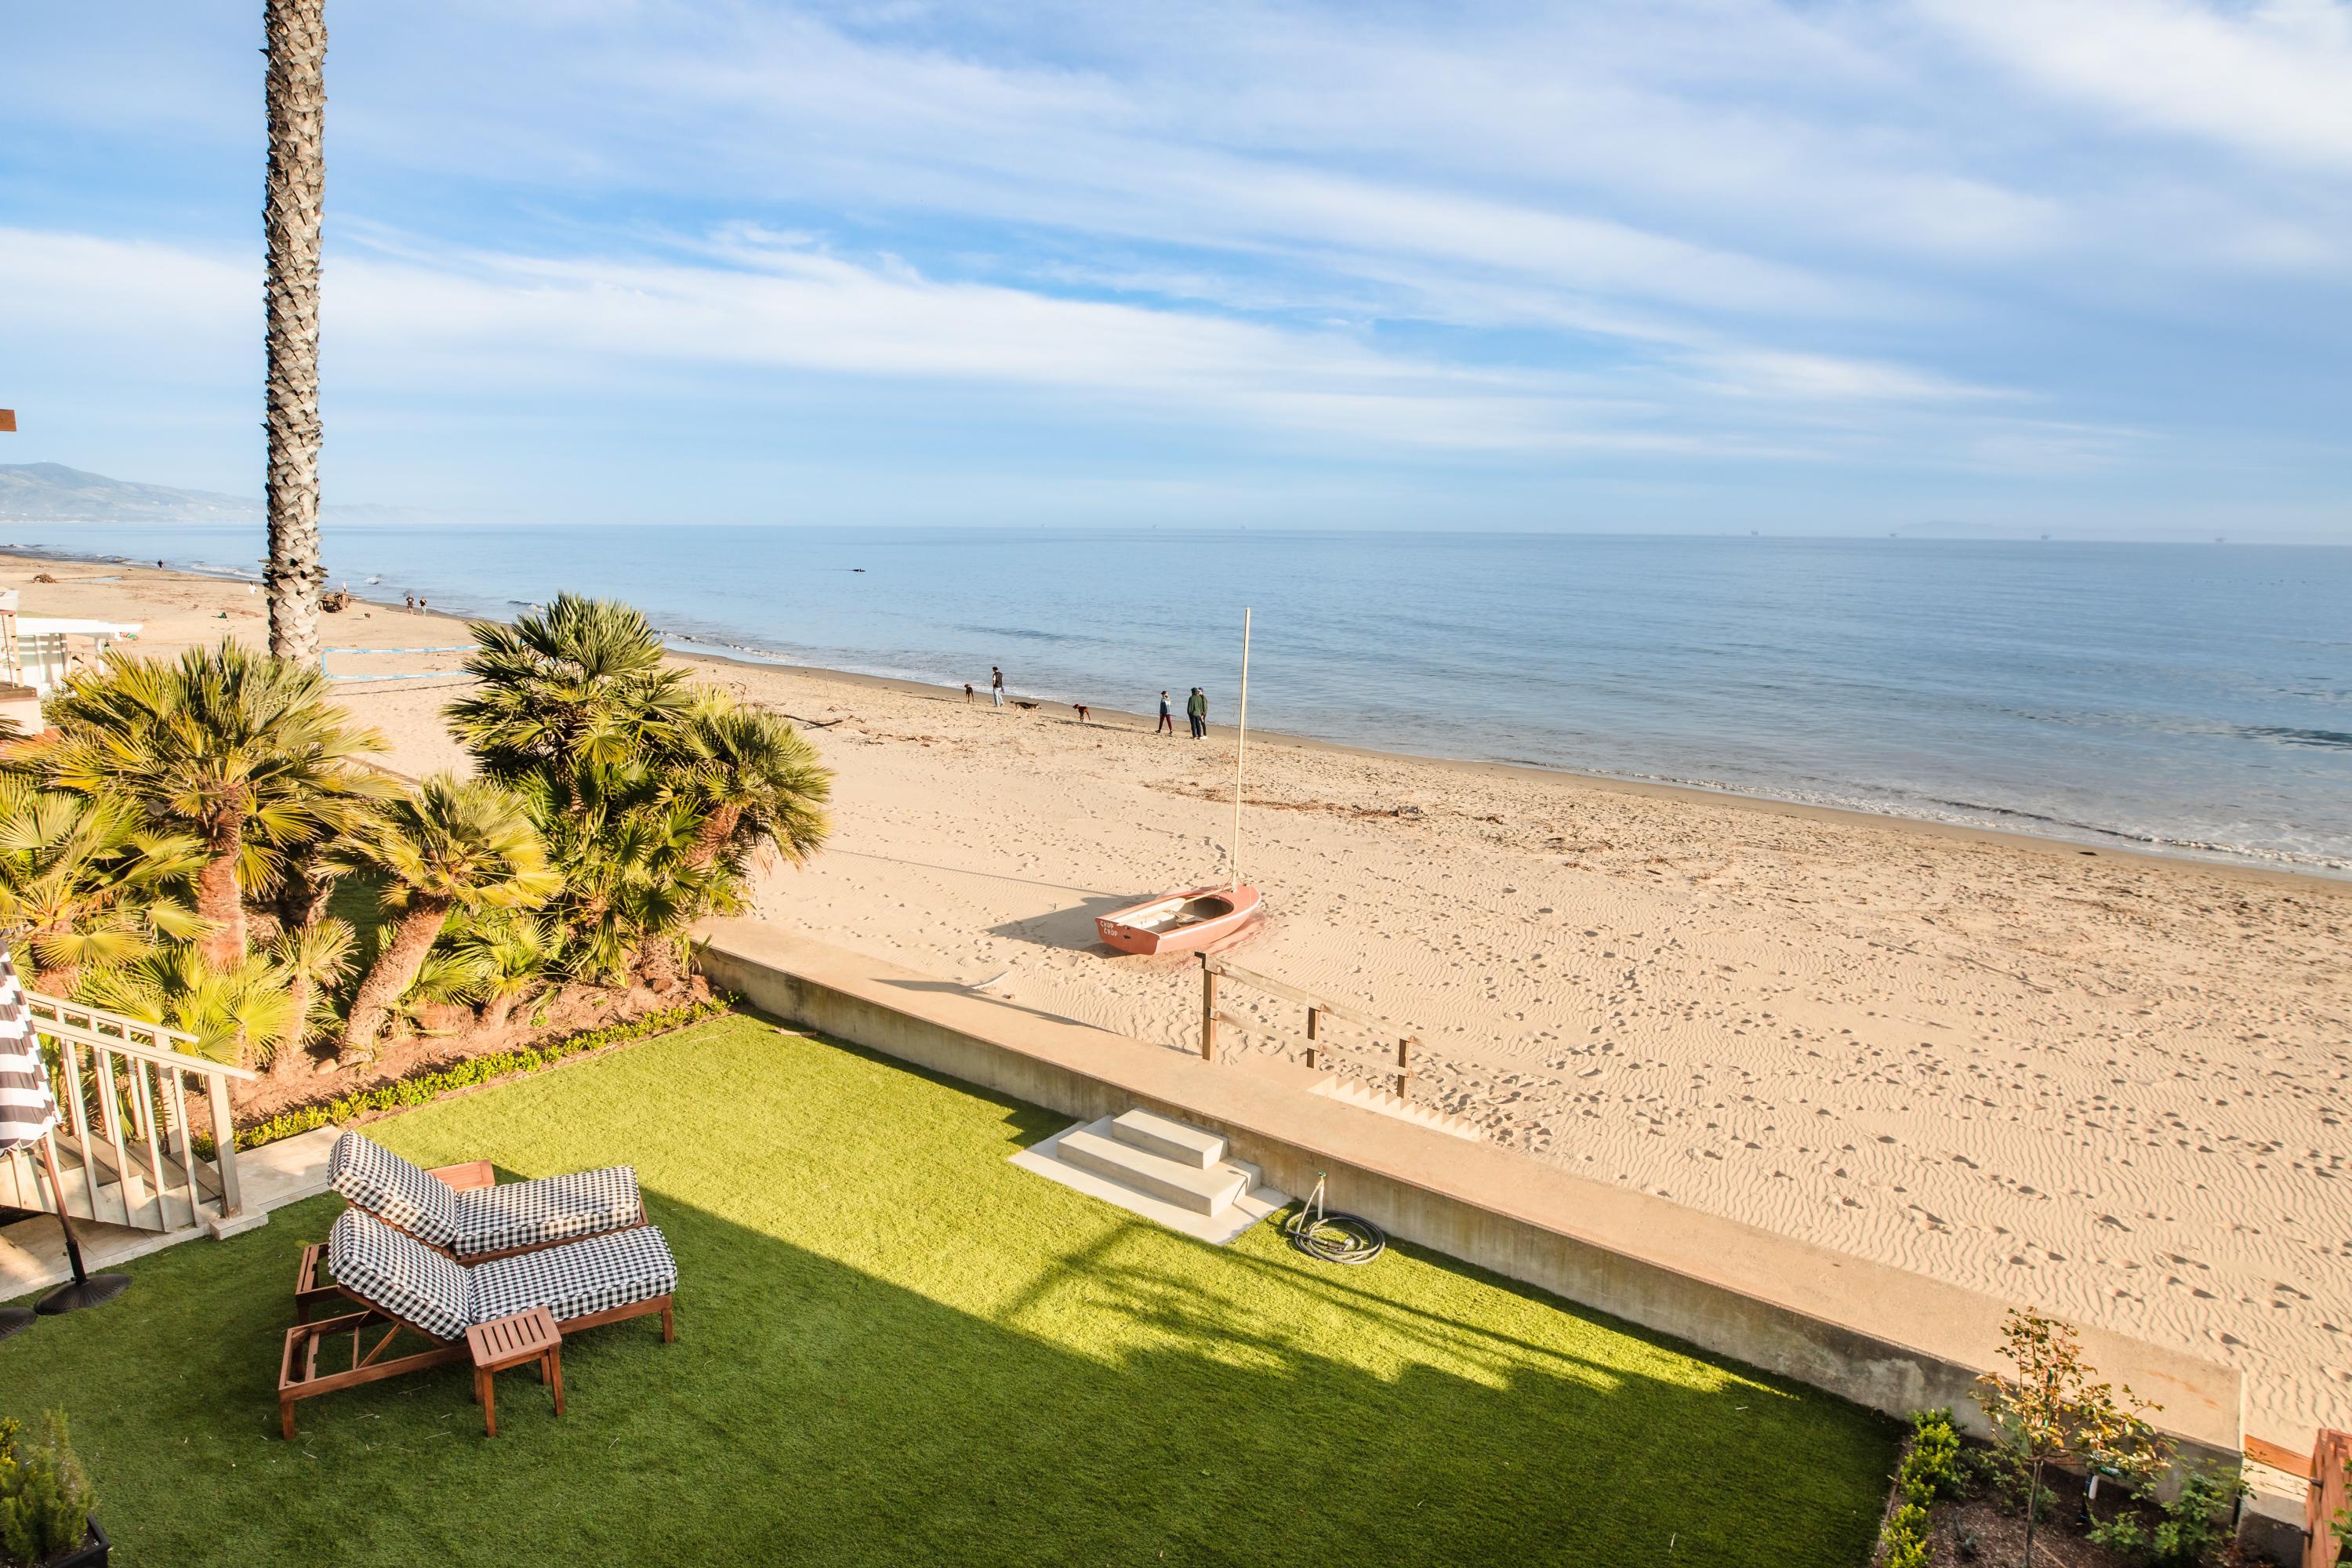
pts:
[1241, 749]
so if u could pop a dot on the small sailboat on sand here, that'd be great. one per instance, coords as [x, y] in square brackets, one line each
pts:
[1200, 916]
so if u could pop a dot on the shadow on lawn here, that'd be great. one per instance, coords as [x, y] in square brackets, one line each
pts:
[1112, 1412]
[894, 1348]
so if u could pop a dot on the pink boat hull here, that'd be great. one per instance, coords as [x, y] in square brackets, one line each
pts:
[1180, 922]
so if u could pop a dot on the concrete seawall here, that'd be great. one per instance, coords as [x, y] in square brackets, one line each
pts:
[1882, 1337]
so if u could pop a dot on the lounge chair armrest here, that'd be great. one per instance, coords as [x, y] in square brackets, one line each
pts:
[465, 1178]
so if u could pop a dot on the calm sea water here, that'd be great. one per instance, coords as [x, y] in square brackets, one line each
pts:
[2194, 698]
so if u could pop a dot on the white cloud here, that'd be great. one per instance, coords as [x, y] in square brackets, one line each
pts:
[407, 315]
[2273, 78]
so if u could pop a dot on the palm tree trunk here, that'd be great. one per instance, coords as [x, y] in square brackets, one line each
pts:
[295, 32]
[393, 973]
[220, 901]
[289, 1058]
[712, 836]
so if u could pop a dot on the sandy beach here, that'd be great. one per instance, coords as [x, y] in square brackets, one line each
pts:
[2110, 1085]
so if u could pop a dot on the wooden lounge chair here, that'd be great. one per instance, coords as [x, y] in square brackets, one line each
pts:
[462, 1212]
[398, 1283]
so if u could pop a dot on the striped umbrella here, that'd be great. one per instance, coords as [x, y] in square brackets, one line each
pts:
[28, 1111]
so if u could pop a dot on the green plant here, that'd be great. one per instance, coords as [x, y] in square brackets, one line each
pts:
[653, 798]
[45, 1499]
[2188, 1526]
[1905, 1538]
[2052, 1412]
[418, 1089]
[85, 881]
[315, 958]
[1930, 1468]
[245, 1010]
[239, 751]
[454, 845]
[513, 954]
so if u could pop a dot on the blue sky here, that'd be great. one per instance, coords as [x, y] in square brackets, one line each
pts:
[2070, 266]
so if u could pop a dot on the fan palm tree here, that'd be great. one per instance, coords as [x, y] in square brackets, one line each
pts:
[242, 752]
[512, 952]
[315, 958]
[629, 872]
[754, 779]
[245, 1010]
[579, 686]
[454, 845]
[84, 882]
[294, 34]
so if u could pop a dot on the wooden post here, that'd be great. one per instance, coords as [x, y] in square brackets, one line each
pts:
[1314, 1033]
[225, 1145]
[1404, 1065]
[1208, 1010]
[2329, 1455]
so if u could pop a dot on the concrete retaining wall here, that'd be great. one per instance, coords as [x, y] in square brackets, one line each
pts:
[1885, 1338]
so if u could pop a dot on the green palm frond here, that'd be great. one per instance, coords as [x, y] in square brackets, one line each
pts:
[233, 1014]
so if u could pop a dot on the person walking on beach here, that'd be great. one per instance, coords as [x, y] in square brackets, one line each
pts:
[995, 687]
[1166, 717]
[1196, 708]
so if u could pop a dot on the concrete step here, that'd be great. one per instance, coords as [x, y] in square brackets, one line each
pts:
[1349, 1091]
[1209, 1191]
[1169, 1140]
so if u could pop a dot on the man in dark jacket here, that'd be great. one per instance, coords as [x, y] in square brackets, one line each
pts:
[1196, 708]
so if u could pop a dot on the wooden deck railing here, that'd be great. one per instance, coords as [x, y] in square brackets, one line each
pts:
[1319, 1010]
[126, 1144]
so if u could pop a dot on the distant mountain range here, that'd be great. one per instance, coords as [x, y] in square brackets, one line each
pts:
[51, 493]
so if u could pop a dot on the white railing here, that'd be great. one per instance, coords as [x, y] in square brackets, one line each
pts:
[126, 1145]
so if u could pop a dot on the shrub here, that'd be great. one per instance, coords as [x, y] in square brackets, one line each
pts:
[2052, 1412]
[1930, 1468]
[45, 1499]
[421, 1088]
[2187, 1527]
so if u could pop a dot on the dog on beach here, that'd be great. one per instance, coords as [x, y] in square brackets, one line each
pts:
[1082, 711]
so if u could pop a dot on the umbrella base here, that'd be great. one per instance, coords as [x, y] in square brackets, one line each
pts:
[13, 1320]
[94, 1291]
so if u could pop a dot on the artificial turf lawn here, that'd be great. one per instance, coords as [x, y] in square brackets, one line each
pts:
[895, 1347]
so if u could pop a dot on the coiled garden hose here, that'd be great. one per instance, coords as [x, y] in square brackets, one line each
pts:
[1331, 1235]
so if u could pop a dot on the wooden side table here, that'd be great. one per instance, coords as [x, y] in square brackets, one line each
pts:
[509, 1341]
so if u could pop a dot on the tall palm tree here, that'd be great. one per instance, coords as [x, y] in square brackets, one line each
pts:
[754, 779]
[295, 40]
[454, 845]
[243, 751]
[83, 881]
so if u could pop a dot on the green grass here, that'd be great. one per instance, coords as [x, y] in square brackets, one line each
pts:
[893, 1347]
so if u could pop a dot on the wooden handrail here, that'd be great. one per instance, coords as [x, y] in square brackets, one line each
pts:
[1250, 977]
[2278, 1457]
[96, 1022]
[1213, 969]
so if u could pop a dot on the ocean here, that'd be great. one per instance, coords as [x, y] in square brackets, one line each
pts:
[2188, 697]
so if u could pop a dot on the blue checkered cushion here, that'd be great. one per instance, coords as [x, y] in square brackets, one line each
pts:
[576, 1279]
[399, 1275]
[549, 1209]
[375, 1179]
